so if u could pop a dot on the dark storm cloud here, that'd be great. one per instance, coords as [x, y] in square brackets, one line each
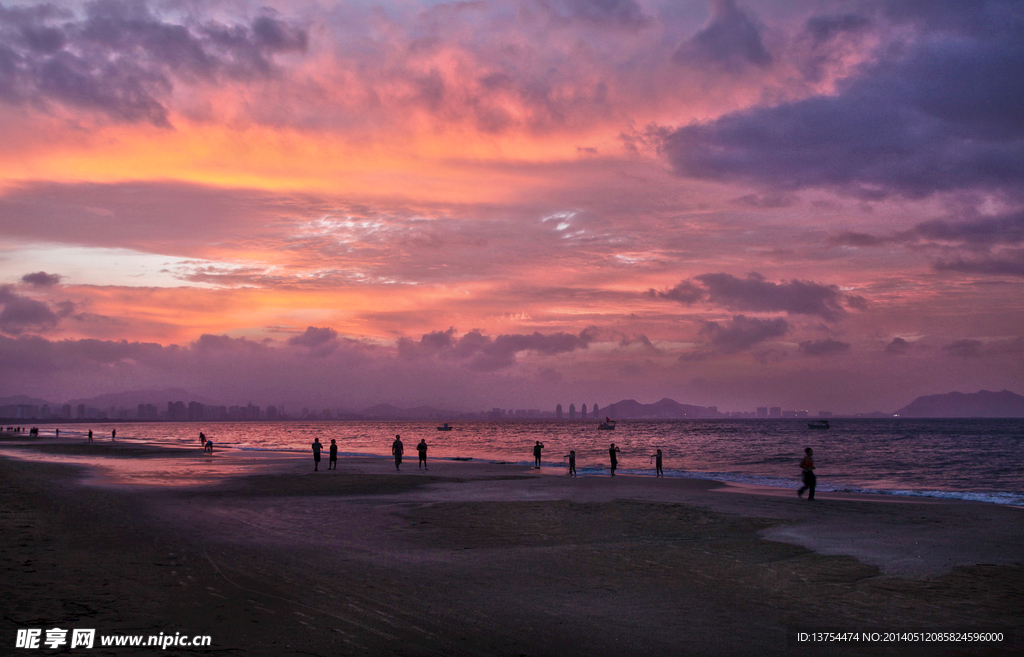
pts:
[730, 40]
[621, 14]
[827, 347]
[897, 347]
[122, 59]
[485, 353]
[742, 332]
[754, 293]
[21, 313]
[41, 279]
[944, 111]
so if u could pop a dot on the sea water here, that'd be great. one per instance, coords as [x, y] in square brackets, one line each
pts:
[974, 459]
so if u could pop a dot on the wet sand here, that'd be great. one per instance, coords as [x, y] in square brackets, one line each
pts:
[484, 559]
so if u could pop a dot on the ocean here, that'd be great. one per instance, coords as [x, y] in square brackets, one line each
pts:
[970, 459]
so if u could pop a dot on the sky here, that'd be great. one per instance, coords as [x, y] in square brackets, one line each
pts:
[813, 205]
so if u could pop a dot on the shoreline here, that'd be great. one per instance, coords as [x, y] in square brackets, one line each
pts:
[488, 559]
[754, 484]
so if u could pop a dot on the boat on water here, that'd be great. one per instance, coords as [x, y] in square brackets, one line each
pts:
[445, 427]
[607, 425]
[820, 424]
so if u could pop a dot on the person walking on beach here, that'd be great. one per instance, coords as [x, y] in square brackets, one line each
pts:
[422, 450]
[572, 462]
[536, 454]
[810, 480]
[113, 434]
[316, 454]
[613, 454]
[657, 464]
[397, 449]
[202, 439]
[56, 433]
[90, 435]
[332, 464]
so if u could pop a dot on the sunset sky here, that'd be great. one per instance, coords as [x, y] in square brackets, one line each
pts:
[816, 205]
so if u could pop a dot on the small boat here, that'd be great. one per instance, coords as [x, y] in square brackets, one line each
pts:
[820, 424]
[607, 425]
[445, 427]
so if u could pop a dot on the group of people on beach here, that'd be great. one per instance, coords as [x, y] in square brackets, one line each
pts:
[398, 451]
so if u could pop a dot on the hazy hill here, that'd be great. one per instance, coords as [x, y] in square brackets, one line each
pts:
[666, 409]
[25, 400]
[958, 404]
[131, 399]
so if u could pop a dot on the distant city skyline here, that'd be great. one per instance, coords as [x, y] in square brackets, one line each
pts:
[459, 205]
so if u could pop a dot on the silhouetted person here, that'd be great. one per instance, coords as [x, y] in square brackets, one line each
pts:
[536, 454]
[657, 464]
[56, 433]
[572, 462]
[316, 454]
[113, 434]
[613, 454]
[333, 463]
[202, 439]
[90, 435]
[397, 449]
[208, 446]
[810, 480]
[422, 450]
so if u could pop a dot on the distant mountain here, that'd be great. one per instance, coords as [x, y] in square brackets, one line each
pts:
[957, 404]
[666, 409]
[25, 400]
[158, 398]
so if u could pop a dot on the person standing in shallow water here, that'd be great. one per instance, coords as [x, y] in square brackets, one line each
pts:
[90, 435]
[613, 454]
[536, 454]
[332, 464]
[657, 464]
[422, 450]
[316, 454]
[810, 479]
[113, 434]
[397, 449]
[572, 462]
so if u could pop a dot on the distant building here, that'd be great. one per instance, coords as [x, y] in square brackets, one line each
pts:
[558, 411]
[762, 411]
[594, 411]
[271, 412]
[583, 412]
[81, 411]
[775, 411]
[572, 411]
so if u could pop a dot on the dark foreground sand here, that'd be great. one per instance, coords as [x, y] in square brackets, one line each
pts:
[495, 560]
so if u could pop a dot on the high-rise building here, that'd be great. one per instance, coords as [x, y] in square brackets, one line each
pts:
[775, 411]
[572, 411]
[583, 412]
[558, 411]
[762, 411]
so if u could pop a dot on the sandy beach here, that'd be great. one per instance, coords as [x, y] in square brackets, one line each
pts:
[484, 559]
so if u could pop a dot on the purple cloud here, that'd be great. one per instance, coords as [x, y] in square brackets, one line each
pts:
[755, 293]
[122, 59]
[826, 347]
[897, 347]
[21, 313]
[731, 40]
[742, 332]
[484, 353]
[41, 279]
[942, 112]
